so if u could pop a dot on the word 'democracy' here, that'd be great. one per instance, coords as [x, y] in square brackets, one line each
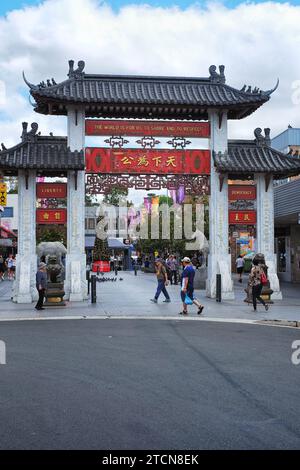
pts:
[2, 353]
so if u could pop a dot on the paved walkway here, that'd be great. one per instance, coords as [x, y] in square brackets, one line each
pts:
[130, 296]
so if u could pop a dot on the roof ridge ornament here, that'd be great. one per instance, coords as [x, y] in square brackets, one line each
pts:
[269, 92]
[216, 77]
[30, 85]
[261, 140]
[29, 136]
[78, 73]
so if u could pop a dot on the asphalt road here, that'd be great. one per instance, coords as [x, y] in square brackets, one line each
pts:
[148, 384]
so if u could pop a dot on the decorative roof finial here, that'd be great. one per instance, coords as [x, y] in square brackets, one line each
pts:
[78, 73]
[30, 85]
[269, 92]
[267, 136]
[216, 77]
[260, 139]
[32, 134]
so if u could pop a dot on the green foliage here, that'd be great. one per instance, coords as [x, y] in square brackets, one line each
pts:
[48, 233]
[101, 250]
[90, 200]
[116, 196]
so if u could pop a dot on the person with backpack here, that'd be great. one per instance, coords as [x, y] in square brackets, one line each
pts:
[257, 279]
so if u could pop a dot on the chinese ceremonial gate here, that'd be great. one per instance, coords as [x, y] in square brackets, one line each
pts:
[147, 167]
[152, 109]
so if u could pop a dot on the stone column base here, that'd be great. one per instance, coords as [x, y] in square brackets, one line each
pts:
[24, 289]
[219, 265]
[75, 282]
[273, 277]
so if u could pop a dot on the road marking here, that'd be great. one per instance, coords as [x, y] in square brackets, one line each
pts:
[159, 318]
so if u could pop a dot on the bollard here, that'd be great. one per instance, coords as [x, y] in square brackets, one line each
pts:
[116, 270]
[93, 289]
[88, 278]
[218, 288]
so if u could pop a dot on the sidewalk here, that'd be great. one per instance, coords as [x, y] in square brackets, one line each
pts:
[131, 296]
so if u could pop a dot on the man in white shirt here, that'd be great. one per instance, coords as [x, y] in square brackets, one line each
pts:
[240, 266]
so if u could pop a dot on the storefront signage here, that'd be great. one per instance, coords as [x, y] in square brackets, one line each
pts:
[132, 161]
[51, 190]
[242, 217]
[51, 216]
[3, 194]
[241, 192]
[147, 128]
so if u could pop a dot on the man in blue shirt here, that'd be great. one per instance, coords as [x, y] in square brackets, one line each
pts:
[187, 286]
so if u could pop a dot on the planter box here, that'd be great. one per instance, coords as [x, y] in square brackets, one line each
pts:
[101, 267]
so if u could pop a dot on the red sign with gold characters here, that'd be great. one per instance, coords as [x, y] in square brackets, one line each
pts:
[147, 128]
[242, 217]
[239, 192]
[51, 216]
[132, 161]
[49, 190]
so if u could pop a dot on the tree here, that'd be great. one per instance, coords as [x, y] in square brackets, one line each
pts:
[115, 196]
[47, 233]
[101, 250]
[90, 200]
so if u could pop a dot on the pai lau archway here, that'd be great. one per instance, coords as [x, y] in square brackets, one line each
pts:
[178, 107]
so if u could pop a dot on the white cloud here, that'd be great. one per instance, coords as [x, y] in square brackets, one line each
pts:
[257, 44]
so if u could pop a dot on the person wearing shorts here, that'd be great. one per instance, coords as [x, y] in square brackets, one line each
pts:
[10, 265]
[187, 286]
[240, 266]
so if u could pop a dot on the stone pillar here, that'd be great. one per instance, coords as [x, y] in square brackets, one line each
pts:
[75, 283]
[24, 290]
[265, 229]
[219, 260]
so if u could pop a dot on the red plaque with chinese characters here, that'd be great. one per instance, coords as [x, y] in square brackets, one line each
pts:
[51, 190]
[140, 161]
[51, 216]
[242, 217]
[238, 192]
[147, 128]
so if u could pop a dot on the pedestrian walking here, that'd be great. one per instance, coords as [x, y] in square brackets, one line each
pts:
[172, 265]
[257, 279]
[240, 262]
[187, 287]
[41, 285]
[10, 264]
[162, 282]
[2, 268]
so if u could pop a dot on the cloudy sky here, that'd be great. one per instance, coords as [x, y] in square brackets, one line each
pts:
[256, 41]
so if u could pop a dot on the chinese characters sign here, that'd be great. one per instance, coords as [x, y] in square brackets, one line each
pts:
[132, 161]
[241, 192]
[51, 216]
[242, 217]
[3, 194]
[147, 128]
[51, 190]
